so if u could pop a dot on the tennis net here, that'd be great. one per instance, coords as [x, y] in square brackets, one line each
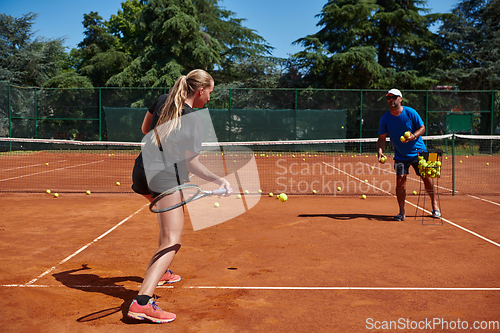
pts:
[324, 167]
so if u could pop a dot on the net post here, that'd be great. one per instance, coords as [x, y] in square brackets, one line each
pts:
[360, 118]
[453, 162]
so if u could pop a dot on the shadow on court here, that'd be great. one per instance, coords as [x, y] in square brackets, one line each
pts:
[347, 217]
[107, 286]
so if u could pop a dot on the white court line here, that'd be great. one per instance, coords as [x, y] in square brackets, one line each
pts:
[347, 288]
[83, 248]
[414, 179]
[72, 286]
[424, 210]
[30, 166]
[491, 202]
[269, 288]
[38, 173]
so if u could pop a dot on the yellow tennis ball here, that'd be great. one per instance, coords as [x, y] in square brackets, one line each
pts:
[247, 191]
[239, 196]
[402, 139]
[48, 191]
[88, 192]
[46, 163]
[216, 204]
[366, 180]
[283, 197]
[487, 164]
[314, 191]
[56, 195]
[339, 188]
[414, 192]
[260, 191]
[117, 183]
[271, 194]
[363, 196]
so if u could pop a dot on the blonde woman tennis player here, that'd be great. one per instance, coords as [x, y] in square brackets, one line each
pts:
[164, 118]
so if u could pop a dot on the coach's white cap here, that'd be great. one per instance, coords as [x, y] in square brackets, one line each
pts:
[394, 92]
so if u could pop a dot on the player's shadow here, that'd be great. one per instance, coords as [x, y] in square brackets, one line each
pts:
[348, 217]
[75, 279]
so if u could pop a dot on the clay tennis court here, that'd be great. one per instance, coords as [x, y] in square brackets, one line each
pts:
[315, 263]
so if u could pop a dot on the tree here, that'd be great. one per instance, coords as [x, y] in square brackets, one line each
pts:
[473, 39]
[99, 54]
[168, 38]
[25, 61]
[366, 43]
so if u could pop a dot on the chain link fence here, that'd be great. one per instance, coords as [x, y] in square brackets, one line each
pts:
[115, 114]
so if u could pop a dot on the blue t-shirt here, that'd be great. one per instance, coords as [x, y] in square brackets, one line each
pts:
[396, 126]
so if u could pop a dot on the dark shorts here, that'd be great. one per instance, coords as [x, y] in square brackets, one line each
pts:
[140, 182]
[403, 167]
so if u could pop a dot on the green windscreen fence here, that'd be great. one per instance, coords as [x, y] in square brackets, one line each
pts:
[240, 114]
[124, 124]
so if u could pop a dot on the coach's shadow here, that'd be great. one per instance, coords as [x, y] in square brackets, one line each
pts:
[348, 217]
[96, 284]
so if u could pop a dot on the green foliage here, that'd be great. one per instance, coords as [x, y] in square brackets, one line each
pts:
[168, 38]
[98, 55]
[367, 43]
[473, 37]
[23, 60]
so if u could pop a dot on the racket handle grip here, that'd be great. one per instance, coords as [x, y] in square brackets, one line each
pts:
[220, 191]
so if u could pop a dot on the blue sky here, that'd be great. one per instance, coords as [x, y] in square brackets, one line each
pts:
[280, 22]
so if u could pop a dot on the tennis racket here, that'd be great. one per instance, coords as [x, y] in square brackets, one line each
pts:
[179, 196]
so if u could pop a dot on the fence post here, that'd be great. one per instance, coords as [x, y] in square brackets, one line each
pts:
[10, 114]
[100, 115]
[295, 117]
[229, 116]
[36, 115]
[426, 112]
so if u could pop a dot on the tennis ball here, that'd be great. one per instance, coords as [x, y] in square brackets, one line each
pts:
[282, 197]
[487, 164]
[460, 161]
[314, 191]
[383, 159]
[239, 196]
[373, 168]
[216, 204]
[402, 139]
[407, 134]
[270, 194]
[56, 195]
[46, 163]
[88, 192]
[366, 180]
[117, 183]
[467, 156]
[48, 191]
[414, 192]
[339, 188]
[260, 191]
[246, 191]
[363, 196]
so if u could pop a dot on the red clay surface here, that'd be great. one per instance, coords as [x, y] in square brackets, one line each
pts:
[318, 242]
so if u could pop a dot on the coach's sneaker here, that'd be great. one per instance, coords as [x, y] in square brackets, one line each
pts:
[150, 311]
[169, 277]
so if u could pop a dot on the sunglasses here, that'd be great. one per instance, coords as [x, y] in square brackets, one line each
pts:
[390, 98]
